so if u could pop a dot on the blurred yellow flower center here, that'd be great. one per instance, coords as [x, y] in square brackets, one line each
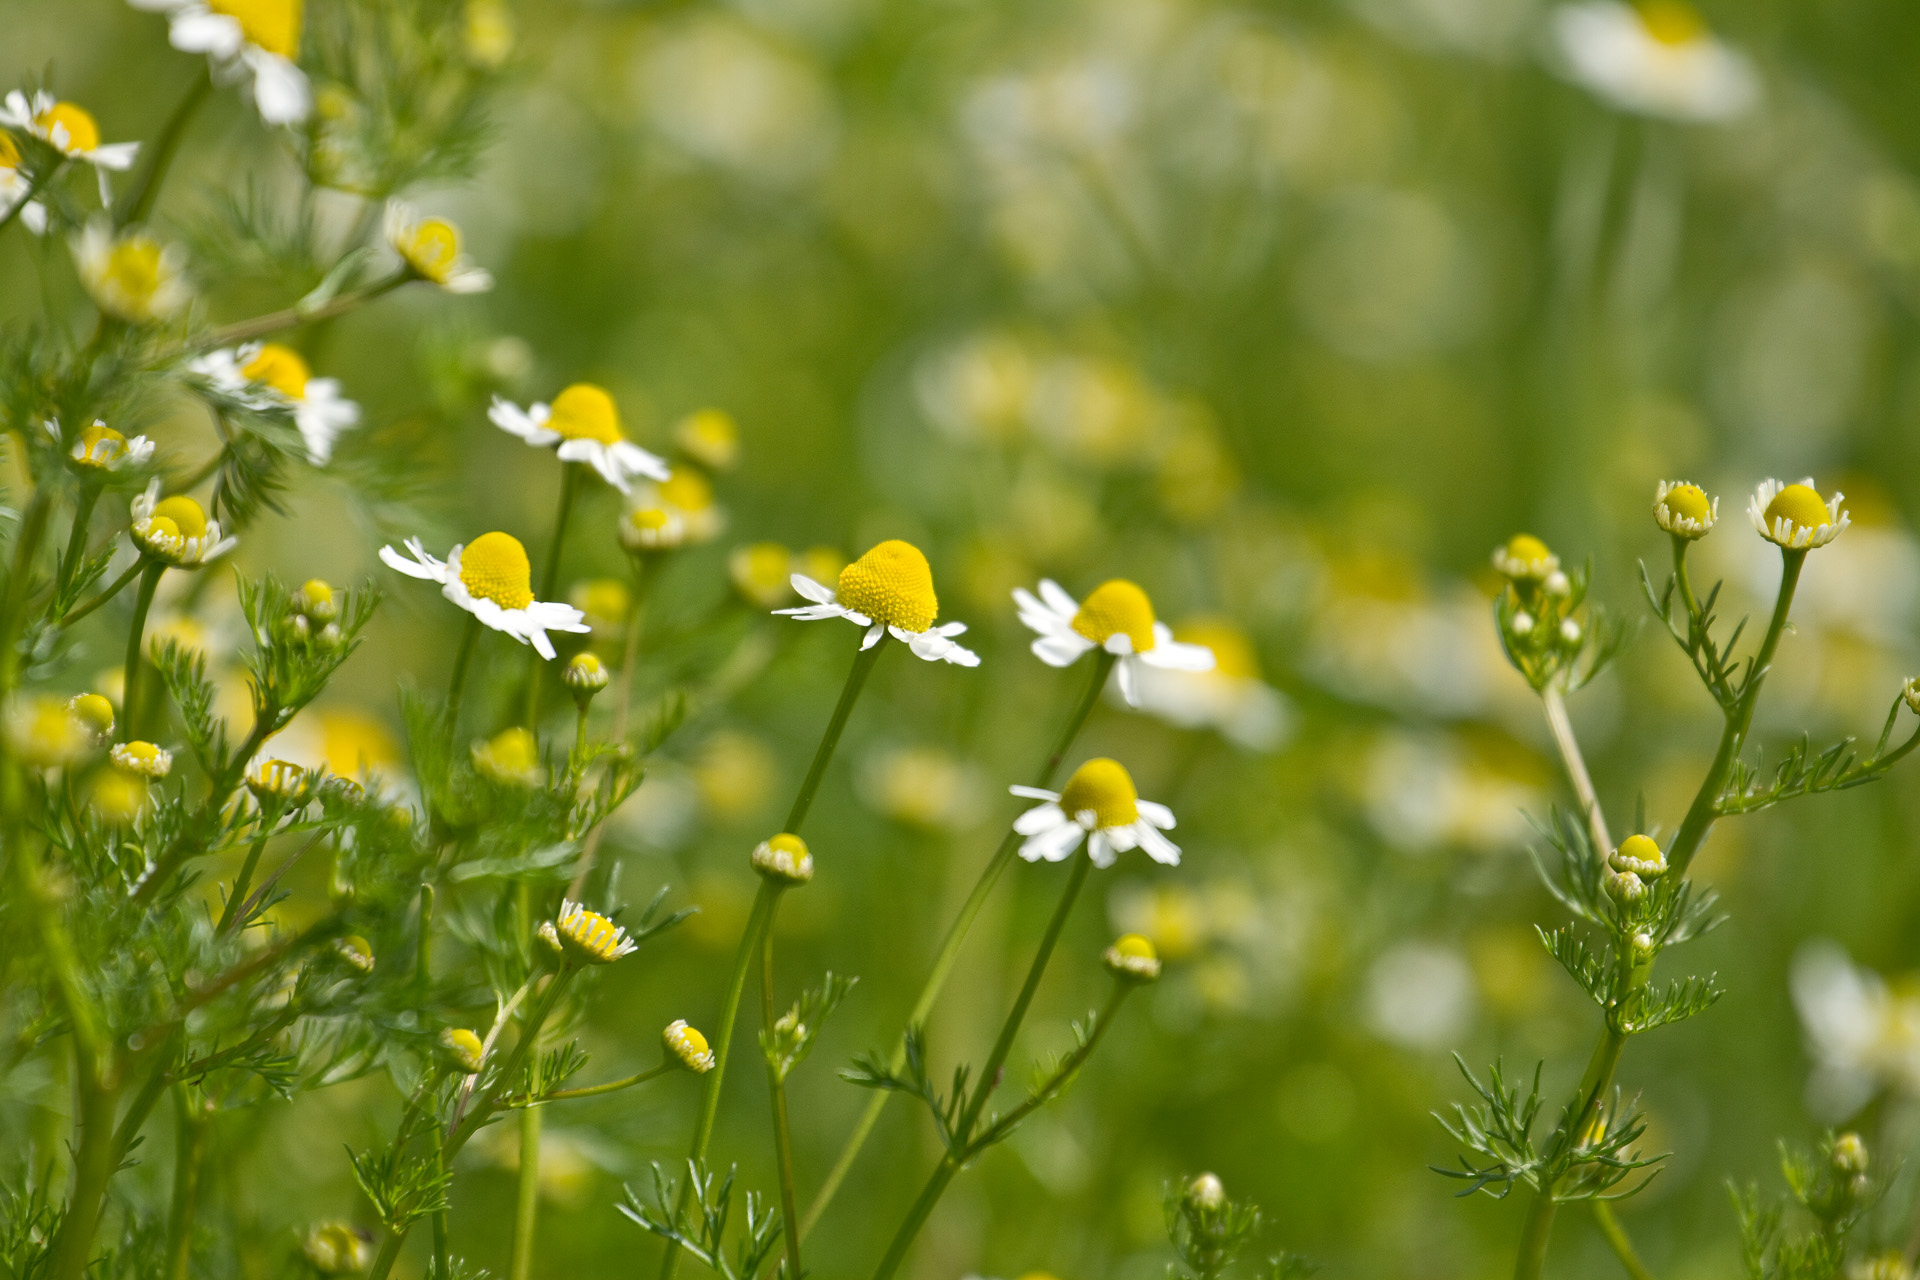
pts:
[117, 796]
[1670, 22]
[140, 756]
[1640, 849]
[280, 368]
[184, 514]
[651, 519]
[710, 436]
[686, 489]
[1117, 608]
[93, 711]
[606, 598]
[788, 843]
[9, 153]
[273, 25]
[466, 1046]
[494, 567]
[585, 412]
[762, 567]
[1103, 788]
[1800, 506]
[99, 446]
[431, 247]
[1689, 502]
[1233, 654]
[510, 756]
[318, 592]
[1136, 947]
[133, 267]
[1527, 549]
[891, 584]
[82, 134]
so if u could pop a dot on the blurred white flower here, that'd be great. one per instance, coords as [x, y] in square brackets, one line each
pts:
[68, 129]
[269, 374]
[245, 38]
[1862, 1032]
[1425, 793]
[1117, 617]
[726, 94]
[1100, 806]
[1230, 697]
[1420, 995]
[130, 275]
[1655, 58]
[16, 186]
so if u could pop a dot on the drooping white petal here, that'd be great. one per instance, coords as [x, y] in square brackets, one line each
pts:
[1158, 847]
[1033, 793]
[1100, 849]
[1043, 817]
[1176, 655]
[209, 33]
[1053, 844]
[1129, 687]
[422, 566]
[1058, 600]
[1157, 814]
[280, 89]
[1061, 650]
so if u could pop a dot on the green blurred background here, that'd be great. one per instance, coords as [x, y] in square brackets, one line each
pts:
[1288, 311]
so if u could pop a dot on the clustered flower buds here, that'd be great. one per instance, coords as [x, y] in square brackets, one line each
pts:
[784, 859]
[1536, 611]
[338, 1248]
[1632, 867]
[687, 1046]
[310, 615]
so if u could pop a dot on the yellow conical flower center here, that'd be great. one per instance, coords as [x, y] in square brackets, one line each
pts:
[1640, 849]
[280, 368]
[141, 756]
[99, 446]
[1671, 23]
[891, 584]
[1233, 654]
[93, 711]
[1690, 502]
[1800, 506]
[133, 268]
[82, 134]
[1136, 947]
[1117, 608]
[9, 153]
[494, 567]
[585, 412]
[603, 598]
[1527, 549]
[273, 25]
[686, 489]
[431, 247]
[184, 514]
[1103, 788]
[649, 519]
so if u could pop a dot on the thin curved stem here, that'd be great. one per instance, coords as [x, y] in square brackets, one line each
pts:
[550, 581]
[823, 756]
[287, 318]
[595, 1090]
[777, 1094]
[1553, 700]
[457, 684]
[242, 882]
[138, 201]
[1616, 1238]
[76, 537]
[109, 592]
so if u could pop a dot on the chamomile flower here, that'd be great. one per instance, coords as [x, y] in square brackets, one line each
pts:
[784, 859]
[511, 758]
[890, 588]
[176, 530]
[94, 715]
[1230, 697]
[101, 448]
[1524, 560]
[688, 1046]
[710, 437]
[585, 423]
[130, 275]
[1099, 805]
[143, 758]
[245, 38]
[1794, 516]
[1116, 617]
[430, 247]
[269, 375]
[491, 578]
[681, 507]
[1653, 58]
[1684, 510]
[589, 937]
[71, 130]
[16, 186]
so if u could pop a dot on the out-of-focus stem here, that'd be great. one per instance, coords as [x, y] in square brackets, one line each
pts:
[274, 321]
[777, 1092]
[550, 579]
[457, 685]
[527, 1206]
[1616, 1238]
[138, 201]
[1553, 699]
[190, 1143]
[136, 656]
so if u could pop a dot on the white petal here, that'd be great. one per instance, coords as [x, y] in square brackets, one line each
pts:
[814, 612]
[280, 89]
[114, 155]
[1158, 847]
[1119, 643]
[412, 568]
[1034, 793]
[1157, 814]
[554, 616]
[1040, 818]
[1053, 845]
[1175, 655]
[1123, 672]
[872, 637]
[808, 589]
[1060, 651]
[1100, 849]
[639, 462]
[1058, 600]
[209, 33]
[514, 420]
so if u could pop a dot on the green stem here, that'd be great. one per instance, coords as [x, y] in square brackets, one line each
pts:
[287, 318]
[527, 1207]
[550, 581]
[457, 686]
[849, 694]
[112, 590]
[231, 915]
[1534, 1237]
[777, 1091]
[1704, 809]
[139, 199]
[595, 1090]
[93, 1166]
[1616, 1237]
[40, 183]
[190, 1142]
[136, 656]
[1553, 700]
[76, 537]
[956, 934]
[988, 1078]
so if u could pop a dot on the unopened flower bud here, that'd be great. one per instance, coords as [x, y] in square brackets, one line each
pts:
[1570, 632]
[143, 758]
[315, 600]
[281, 781]
[1624, 887]
[1911, 692]
[1132, 958]
[1640, 946]
[1557, 585]
[1849, 1155]
[1522, 624]
[1641, 855]
[586, 675]
[329, 637]
[784, 859]
[1207, 1194]
[687, 1046]
[1525, 560]
[462, 1050]
[337, 1249]
[355, 951]
[95, 715]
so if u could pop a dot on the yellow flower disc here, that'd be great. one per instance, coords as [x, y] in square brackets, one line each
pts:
[1115, 608]
[184, 514]
[591, 936]
[99, 446]
[1105, 789]
[586, 412]
[494, 567]
[1800, 506]
[82, 133]
[93, 711]
[1528, 549]
[1690, 502]
[133, 269]
[1233, 654]
[431, 248]
[9, 153]
[686, 489]
[273, 25]
[1136, 947]
[280, 368]
[1671, 23]
[891, 584]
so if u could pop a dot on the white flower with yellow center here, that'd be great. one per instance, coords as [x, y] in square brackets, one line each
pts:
[1116, 617]
[245, 38]
[1795, 516]
[1684, 509]
[267, 374]
[101, 448]
[130, 275]
[1525, 560]
[589, 937]
[1231, 697]
[176, 530]
[491, 578]
[143, 758]
[688, 1046]
[68, 129]
[430, 247]
[585, 423]
[16, 186]
[677, 510]
[889, 589]
[1653, 58]
[1099, 805]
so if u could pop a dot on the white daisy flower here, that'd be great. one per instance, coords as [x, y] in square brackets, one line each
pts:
[245, 38]
[678, 509]
[492, 579]
[176, 530]
[1653, 58]
[267, 374]
[431, 249]
[1099, 805]
[1684, 509]
[1230, 698]
[101, 448]
[1116, 617]
[130, 275]
[68, 129]
[16, 186]
[888, 589]
[585, 423]
[1795, 516]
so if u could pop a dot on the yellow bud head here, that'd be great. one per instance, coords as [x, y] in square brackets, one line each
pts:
[1105, 789]
[1671, 23]
[603, 600]
[1800, 506]
[132, 273]
[464, 1050]
[82, 133]
[185, 515]
[1526, 558]
[277, 780]
[687, 1046]
[1133, 957]
[709, 437]
[891, 584]
[760, 572]
[142, 758]
[431, 247]
[99, 446]
[1640, 855]
[1115, 608]
[94, 713]
[494, 567]
[585, 674]
[1690, 501]
[272, 25]
[585, 412]
[355, 951]
[315, 599]
[338, 1249]
[280, 368]
[589, 937]
[784, 858]
[511, 758]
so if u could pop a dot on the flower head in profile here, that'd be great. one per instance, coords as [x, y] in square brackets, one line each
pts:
[1099, 805]
[45, 734]
[69, 129]
[430, 248]
[279, 782]
[492, 579]
[462, 1050]
[1524, 560]
[99, 448]
[130, 275]
[94, 714]
[176, 530]
[16, 185]
[1653, 58]
[510, 758]
[784, 859]
[585, 423]
[587, 937]
[257, 39]
[1684, 510]
[1118, 617]
[1794, 516]
[269, 375]
[1132, 958]
[889, 589]
[688, 1046]
[143, 758]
